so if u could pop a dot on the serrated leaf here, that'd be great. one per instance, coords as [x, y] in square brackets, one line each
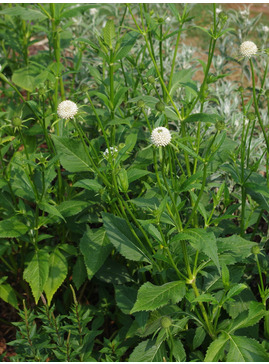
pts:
[72, 207]
[244, 349]
[58, 268]
[88, 184]
[199, 337]
[50, 209]
[204, 118]
[151, 297]
[72, 154]
[145, 351]
[109, 33]
[216, 348]
[236, 290]
[79, 272]
[12, 228]
[95, 249]
[24, 13]
[202, 241]
[122, 238]
[125, 298]
[37, 272]
[8, 294]
[254, 315]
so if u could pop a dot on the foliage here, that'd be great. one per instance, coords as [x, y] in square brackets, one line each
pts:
[165, 246]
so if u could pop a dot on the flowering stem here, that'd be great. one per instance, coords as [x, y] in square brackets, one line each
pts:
[256, 104]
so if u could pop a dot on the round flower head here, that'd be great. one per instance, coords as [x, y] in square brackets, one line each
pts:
[113, 151]
[161, 136]
[67, 109]
[248, 49]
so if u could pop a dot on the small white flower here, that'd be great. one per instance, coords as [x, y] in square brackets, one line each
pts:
[161, 136]
[218, 10]
[265, 29]
[113, 151]
[248, 49]
[93, 11]
[244, 12]
[67, 109]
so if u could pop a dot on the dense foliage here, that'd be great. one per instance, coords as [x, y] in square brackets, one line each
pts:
[134, 182]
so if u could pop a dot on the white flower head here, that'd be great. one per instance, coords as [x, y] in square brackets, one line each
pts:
[93, 11]
[113, 151]
[218, 10]
[248, 49]
[265, 29]
[244, 12]
[67, 109]
[161, 136]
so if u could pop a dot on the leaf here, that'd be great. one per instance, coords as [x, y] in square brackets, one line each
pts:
[88, 184]
[189, 151]
[109, 33]
[151, 297]
[95, 249]
[205, 118]
[50, 209]
[72, 207]
[235, 247]
[125, 298]
[72, 154]
[145, 351]
[121, 237]
[179, 78]
[236, 290]
[243, 349]
[255, 314]
[8, 294]
[37, 272]
[79, 272]
[135, 173]
[199, 337]
[202, 241]
[24, 13]
[216, 348]
[179, 351]
[58, 268]
[127, 44]
[12, 228]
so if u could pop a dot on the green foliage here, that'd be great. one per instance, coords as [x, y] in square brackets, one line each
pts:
[164, 239]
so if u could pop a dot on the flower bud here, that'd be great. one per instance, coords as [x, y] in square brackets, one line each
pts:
[220, 125]
[255, 250]
[166, 322]
[241, 89]
[251, 116]
[151, 79]
[16, 122]
[160, 106]
[141, 104]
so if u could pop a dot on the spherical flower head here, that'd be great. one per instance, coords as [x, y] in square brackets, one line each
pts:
[67, 109]
[161, 136]
[248, 49]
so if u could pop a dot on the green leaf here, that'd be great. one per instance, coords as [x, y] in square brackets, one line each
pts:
[12, 228]
[234, 248]
[58, 268]
[50, 209]
[8, 294]
[95, 249]
[125, 298]
[199, 337]
[72, 207]
[243, 349]
[88, 184]
[121, 237]
[79, 272]
[135, 173]
[37, 272]
[72, 154]
[109, 33]
[24, 13]
[179, 351]
[127, 44]
[202, 241]
[179, 78]
[216, 348]
[236, 290]
[254, 315]
[205, 118]
[151, 297]
[189, 151]
[145, 351]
